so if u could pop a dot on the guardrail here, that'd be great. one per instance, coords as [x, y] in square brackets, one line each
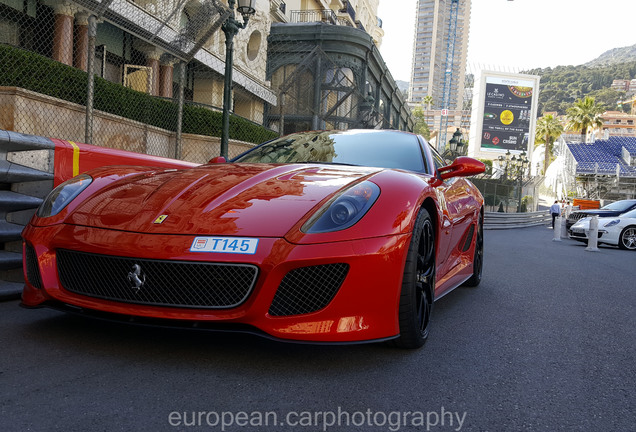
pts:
[26, 167]
[30, 166]
[496, 220]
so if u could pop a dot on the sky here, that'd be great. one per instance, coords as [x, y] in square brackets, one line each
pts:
[519, 34]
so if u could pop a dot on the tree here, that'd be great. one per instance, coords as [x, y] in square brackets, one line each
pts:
[428, 100]
[488, 163]
[609, 97]
[585, 113]
[548, 130]
[562, 85]
[420, 127]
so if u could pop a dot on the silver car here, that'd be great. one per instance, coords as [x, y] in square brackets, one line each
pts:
[615, 230]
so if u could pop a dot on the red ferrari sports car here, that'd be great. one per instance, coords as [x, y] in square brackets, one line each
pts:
[324, 236]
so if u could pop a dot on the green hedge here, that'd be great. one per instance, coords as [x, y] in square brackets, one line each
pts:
[31, 71]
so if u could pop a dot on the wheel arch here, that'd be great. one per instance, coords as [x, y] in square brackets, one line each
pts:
[620, 234]
[429, 205]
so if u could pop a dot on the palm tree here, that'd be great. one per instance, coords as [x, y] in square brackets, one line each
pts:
[548, 129]
[585, 113]
[428, 100]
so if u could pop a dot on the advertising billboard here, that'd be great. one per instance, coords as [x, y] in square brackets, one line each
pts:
[507, 112]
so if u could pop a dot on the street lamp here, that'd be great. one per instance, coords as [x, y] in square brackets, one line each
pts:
[231, 28]
[516, 165]
[504, 161]
[521, 164]
[455, 140]
[455, 145]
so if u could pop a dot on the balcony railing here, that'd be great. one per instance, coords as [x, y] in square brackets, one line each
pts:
[322, 15]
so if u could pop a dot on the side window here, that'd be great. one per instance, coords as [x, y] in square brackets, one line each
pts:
[423, 144]
[437, 159]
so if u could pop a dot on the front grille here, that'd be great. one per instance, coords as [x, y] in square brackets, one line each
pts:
[576, 216]
[156, 282]
[308, 289]
[583, 235]
[32, 267]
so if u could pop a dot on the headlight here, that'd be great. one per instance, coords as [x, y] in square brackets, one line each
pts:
[583, 221]
[62, 195]
[344, 210]
[612, 223]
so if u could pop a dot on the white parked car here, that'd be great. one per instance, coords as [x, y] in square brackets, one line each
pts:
[615, 230]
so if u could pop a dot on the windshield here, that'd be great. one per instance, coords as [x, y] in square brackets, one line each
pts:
[630, 214]
[383, 149]
[619, 205]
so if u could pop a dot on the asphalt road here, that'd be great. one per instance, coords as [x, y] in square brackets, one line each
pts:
[546, 343]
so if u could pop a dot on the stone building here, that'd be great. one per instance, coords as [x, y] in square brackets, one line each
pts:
[141, 44]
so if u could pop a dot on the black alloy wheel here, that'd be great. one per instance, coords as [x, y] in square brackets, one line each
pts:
[418, 285]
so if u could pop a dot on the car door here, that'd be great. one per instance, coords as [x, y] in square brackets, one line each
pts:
[457, 205]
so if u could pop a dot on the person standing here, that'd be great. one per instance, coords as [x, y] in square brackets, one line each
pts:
[555, 211]
[567, 210]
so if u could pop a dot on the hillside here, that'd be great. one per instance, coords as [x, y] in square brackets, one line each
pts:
[614, 56]
[562, 85]
[403, 86]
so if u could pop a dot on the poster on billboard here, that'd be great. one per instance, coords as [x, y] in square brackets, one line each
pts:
[507, 113]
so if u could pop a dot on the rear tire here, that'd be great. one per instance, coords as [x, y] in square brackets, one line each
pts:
[418, 285]
[478, 257]
[627, 239]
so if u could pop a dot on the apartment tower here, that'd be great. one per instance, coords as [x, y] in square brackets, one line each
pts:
[431, 44]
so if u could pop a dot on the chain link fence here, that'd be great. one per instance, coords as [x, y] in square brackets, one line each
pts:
[148, 58]
[325, 83]
[159, 76]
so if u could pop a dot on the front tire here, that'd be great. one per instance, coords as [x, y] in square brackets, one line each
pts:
[418, 285]
[627, 239]
[478, 257]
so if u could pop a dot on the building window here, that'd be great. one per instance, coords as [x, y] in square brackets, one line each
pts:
[298, 97]
[254, 45]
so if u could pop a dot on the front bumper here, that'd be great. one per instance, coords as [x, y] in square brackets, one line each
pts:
[364, 307]
[583, 234]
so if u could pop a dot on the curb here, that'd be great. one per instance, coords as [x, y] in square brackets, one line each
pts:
[10, 290]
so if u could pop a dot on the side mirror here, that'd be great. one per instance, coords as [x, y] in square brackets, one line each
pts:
[217, 159]
[463, 166]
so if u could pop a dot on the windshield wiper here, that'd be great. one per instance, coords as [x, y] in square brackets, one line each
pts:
[329, 163]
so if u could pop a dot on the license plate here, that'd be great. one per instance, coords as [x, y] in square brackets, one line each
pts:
[578, 231]
[235, 245]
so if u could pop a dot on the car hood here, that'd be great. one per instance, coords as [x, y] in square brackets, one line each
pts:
[599, 212]
[218, 199]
